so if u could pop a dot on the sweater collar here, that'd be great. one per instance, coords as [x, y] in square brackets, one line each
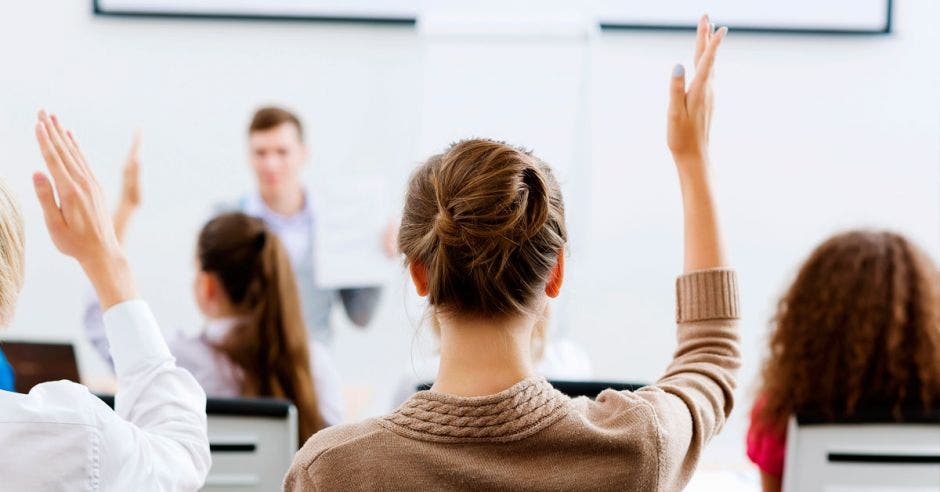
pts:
[510, 415]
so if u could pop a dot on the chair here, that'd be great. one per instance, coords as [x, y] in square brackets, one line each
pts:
[867, 452]
[575, 389]
[252, 441]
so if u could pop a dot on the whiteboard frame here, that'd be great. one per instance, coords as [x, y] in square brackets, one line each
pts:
[410, 21]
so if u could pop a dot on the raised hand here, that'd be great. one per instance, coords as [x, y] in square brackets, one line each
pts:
[690, 113]
[130, 189]
[690, 110]
[79, 224]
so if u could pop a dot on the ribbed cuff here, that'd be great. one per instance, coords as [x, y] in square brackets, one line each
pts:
[707, 294]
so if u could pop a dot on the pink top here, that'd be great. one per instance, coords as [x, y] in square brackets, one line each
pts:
[766, 447]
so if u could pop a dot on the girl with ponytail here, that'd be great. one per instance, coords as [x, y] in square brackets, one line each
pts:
[254, 342]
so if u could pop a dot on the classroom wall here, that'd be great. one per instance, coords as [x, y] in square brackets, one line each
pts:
[811, 134]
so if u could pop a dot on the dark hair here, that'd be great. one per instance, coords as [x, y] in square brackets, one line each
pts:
[268, 117]
[858, 329]
[270, 343]
[487, 221]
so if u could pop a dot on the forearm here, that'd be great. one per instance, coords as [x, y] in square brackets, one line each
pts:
[703, 244]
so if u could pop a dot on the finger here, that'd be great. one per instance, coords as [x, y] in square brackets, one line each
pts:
[50, 211]
[134, 153]
[701, 35]
[77, 150]
[71, 167]
[677, 92]
[703, 74]
[57, 126]
[53, 162]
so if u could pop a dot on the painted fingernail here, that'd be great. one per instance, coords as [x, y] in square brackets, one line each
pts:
[678, 70]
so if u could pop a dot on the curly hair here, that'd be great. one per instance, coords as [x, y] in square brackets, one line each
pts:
[859, 328]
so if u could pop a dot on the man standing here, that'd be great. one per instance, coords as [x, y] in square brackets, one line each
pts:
[277, 156]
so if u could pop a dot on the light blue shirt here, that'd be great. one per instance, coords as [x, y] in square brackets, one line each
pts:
[296, 233]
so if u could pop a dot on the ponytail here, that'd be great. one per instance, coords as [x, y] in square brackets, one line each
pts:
[270, 342]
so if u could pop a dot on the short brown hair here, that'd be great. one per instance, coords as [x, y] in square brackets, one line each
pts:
[487, 221]
[269, 117]
[859, 329]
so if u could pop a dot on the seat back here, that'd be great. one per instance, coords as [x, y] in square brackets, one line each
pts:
[252, 441]
[862, 455]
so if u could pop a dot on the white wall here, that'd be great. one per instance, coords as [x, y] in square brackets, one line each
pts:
[812, 134]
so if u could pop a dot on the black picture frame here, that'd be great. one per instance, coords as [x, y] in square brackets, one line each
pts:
[379, 20]
[410, 21]
[737, 28]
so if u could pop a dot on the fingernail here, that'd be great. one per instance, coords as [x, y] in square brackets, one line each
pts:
[706, 18]
[678, 70]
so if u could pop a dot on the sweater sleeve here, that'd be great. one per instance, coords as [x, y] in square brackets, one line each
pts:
[694, 397]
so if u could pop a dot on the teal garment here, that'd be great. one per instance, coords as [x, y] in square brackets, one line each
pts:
[6, 374]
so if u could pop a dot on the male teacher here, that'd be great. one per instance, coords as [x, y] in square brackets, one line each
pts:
[278, 154]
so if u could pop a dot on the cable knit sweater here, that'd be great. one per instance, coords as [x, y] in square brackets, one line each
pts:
[532, 437]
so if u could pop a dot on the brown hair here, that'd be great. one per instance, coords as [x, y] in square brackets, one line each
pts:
[270, 344]
[858, 329]
[487, 221]
[268, 117]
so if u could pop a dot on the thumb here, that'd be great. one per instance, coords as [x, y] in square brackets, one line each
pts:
[677, 91]
[50, 211]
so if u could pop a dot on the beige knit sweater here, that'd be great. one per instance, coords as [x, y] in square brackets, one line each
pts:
[531, 437]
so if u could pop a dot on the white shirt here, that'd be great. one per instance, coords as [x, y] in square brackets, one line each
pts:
[61, 437]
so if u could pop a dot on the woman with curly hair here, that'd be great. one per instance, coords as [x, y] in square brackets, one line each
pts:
[859, 329]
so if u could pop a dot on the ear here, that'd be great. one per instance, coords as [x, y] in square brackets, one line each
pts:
[557, 277]
[419, 275]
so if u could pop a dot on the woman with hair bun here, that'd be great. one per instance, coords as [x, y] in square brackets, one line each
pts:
[483, 234]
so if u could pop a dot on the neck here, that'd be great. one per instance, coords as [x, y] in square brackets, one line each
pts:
[284, 202]
[482, 357]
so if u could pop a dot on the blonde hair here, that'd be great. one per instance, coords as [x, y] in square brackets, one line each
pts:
[487, 221]
[12, 253]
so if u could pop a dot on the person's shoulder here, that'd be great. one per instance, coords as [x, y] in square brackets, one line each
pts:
[55, 402]
[336, 440]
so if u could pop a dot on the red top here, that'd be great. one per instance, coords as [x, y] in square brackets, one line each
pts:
[766, 447]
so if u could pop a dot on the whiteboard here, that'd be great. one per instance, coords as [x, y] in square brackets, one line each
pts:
[848, 16]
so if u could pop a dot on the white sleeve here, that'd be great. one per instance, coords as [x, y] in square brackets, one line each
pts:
[156, 438]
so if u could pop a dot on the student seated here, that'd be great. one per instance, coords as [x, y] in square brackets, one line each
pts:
[254, 342]
[859, 329]
[60, 436]
[484, 237]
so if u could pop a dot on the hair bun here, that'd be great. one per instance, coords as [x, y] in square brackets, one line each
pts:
[446, 228]
[537, 201]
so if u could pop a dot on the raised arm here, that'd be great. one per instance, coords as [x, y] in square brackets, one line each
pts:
[694, 397]
[689, 122]
[129, 201]
[156, 438]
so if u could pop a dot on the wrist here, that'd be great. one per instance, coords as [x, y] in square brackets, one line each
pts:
[110, 275]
